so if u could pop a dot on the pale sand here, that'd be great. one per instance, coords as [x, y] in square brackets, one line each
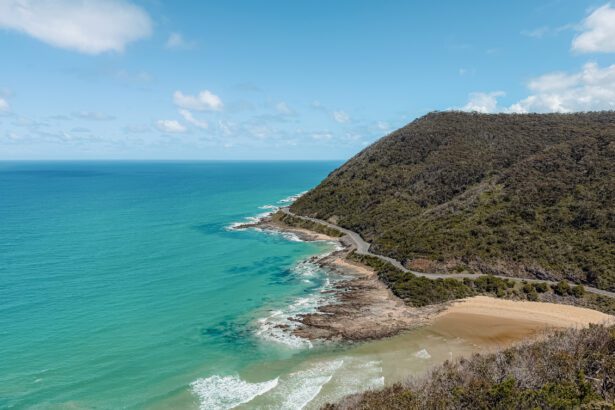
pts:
[550, 314]
[484, 320]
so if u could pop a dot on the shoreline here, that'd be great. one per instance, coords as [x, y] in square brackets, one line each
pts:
[366, 309]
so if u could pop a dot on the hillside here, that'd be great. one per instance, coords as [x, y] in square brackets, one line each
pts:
[528, 195]
[571, 369]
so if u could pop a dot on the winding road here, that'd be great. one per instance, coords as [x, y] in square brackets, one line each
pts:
[362, 248]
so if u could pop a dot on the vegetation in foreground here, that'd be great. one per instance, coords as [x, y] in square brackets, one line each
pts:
[571, 369]
[530, 195]
[419, 291]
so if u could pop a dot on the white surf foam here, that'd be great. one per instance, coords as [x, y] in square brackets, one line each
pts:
[303, 386]
[292, 198]
[271, 209]
[279, 324]
[236, 226]
[422, 354]
[227, 392]
[355, 376]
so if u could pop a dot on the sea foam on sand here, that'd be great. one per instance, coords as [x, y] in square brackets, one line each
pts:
[227, 392]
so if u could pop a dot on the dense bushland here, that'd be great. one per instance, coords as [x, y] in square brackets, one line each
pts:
[529, 195]
[304, 224]
[570, 369]
[418, 291]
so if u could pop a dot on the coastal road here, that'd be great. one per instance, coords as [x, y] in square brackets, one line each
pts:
[362, 248]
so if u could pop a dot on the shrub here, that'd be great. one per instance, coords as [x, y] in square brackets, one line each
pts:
[570, 369]
[578, 291]
[562, 288]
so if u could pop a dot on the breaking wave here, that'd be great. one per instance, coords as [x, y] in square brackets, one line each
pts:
[227, 392]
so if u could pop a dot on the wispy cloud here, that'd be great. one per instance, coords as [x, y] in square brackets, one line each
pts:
[170, 126]
[341, 117]
[187, 115]
[536, 33]
[203, 101]
[4, 105]
[92, 27]
[545, 31]
[284, 109]
[176, 41]
[93, 116]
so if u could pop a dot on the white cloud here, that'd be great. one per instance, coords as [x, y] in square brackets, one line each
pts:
[91, 26]
[205, 100]
[599, 32]
[4, 105]
[483, 102]
[170, 126]
[341, 117]
[187, 115]
[176, 41]
[592, 88]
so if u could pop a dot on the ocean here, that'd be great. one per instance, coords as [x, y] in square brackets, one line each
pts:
[124, 285]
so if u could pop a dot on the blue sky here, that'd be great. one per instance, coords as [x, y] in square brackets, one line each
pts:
[119, 79]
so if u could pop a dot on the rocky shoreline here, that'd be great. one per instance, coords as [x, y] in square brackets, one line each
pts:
[365, 309]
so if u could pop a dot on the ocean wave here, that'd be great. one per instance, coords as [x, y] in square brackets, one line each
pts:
[280, 323]
[292, 198]
[236, 226]
[271, 209]
[301, 387]
[357, 375]
[227, 392]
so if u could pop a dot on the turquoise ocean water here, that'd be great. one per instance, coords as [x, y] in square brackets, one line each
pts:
[122, 286]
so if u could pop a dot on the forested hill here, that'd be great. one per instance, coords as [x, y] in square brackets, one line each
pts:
[528, 195]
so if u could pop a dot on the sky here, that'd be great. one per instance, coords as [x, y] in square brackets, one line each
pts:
[282, 80]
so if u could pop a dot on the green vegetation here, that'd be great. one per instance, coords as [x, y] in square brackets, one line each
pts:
[419, 291]
[302, 223]
[414, 290]
[571, 369]
[522, 195]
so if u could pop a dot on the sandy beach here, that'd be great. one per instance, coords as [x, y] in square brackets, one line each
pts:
[489, 321]
[549, 314]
